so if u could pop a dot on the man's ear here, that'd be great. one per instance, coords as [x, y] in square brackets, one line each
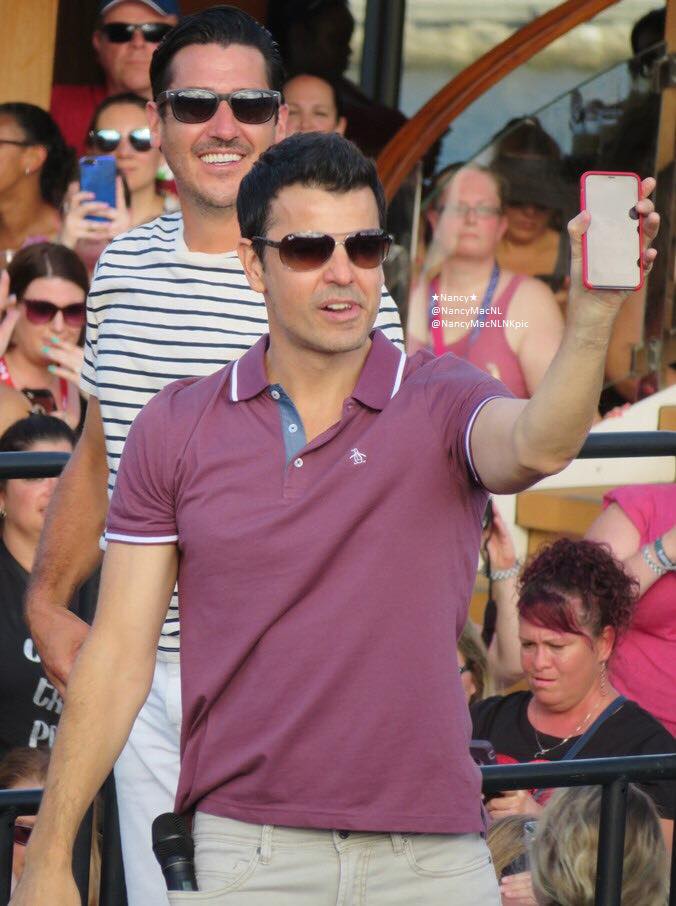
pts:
[154, 118]
[96, 42]
[280, 125]
[252, 264]
[341, 126]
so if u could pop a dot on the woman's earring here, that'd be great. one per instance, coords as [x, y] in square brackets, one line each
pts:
[604, 680]
[2, 513]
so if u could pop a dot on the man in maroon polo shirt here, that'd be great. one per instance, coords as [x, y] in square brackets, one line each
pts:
[320, 503]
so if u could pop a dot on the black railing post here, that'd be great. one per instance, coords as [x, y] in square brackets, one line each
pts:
[7, 817]
[611, 843]
[672, 888]
[113, 889]
[81, 855]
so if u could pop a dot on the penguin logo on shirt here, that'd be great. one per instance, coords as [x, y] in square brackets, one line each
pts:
[357, 457]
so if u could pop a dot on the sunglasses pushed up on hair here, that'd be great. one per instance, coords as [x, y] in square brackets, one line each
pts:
[252, 106]
[39, 311]
[123, 32]
[107, 140]
[309, 251]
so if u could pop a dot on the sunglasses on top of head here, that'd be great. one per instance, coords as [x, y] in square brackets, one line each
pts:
[123, 32]
[253, 106]
[309, 251]
[42, 312]
[107, 140]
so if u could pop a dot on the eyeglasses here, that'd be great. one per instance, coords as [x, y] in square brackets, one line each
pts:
[22, 833]
[309, 251]
[40, 312]
[197, 105]
[123, 32]
[107, 140]
[482, 211]
[466, 668]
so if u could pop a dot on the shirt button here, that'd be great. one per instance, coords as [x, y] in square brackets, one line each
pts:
[298, 463]
[343, 834]
[275, 394]
[293, 429]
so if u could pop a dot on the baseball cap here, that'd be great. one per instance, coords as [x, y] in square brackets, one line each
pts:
[163, 7]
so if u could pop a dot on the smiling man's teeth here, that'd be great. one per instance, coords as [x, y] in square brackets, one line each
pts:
[221, 158]
[339, 306]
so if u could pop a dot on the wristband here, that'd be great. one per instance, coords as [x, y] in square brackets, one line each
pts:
[662, 556]
[498, 574]
[655, 567]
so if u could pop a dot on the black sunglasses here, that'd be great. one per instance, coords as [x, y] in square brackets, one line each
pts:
[107, 140]
[42, 312]
[309, 251]
[197, 105]
[122, 32]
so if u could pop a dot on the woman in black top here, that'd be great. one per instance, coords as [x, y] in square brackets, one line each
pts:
[29, 705]
[575, 601]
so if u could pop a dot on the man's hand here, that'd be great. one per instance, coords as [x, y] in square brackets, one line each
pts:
[579, 225]
[46, 886]
[58, 635]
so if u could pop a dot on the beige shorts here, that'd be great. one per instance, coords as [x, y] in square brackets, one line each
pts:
[253, 865]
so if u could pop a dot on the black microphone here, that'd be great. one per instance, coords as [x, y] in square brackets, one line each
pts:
[174, 850]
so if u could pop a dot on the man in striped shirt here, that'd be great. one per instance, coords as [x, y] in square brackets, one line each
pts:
[169, 300]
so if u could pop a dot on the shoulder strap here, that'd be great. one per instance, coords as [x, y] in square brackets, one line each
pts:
[582, 741]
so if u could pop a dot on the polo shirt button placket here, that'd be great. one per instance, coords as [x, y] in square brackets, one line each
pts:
[293, 429]
[275, 394]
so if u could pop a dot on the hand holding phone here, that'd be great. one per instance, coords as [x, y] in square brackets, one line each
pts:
[611, 247]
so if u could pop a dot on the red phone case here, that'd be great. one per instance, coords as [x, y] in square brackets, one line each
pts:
[583, 206]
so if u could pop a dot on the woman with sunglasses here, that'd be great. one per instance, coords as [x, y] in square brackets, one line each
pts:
[119, 128]
[43, 358]
[25, 768]
[36, 166]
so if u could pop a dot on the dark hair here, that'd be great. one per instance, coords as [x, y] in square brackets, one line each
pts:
[23, 764]
[322, 160]
[127, 97]
[526, 136]
[569, 570]
[333, 85]
[31, 430]
[40, 129]
[46, 259]
[223, 25]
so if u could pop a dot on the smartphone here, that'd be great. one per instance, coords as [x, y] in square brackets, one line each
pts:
[487, 518]
[611, 247]
[97, 175]
[482, 751]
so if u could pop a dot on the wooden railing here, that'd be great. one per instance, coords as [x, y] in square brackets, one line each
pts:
[414, 139]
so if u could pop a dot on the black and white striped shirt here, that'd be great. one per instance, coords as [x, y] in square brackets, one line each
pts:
[158, 312]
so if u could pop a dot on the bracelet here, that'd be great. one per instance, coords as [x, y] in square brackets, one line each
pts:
[662, 556]
[497, 575]
[655, 567]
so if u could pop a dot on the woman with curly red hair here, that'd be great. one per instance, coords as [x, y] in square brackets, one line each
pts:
[575, 602]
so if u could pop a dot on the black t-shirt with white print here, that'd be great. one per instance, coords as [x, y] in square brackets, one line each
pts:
[630, 731]
[29, 705]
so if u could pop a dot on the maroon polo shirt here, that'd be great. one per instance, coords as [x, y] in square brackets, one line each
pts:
[320, 600]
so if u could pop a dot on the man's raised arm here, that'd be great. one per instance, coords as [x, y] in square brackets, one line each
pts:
[69, 551]
[109, 683]
[515, 443]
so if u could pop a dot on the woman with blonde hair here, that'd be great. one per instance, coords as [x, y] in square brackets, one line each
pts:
[473, 665]
[563, 862]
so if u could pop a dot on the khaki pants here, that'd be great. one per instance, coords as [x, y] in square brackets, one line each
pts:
[254, 865]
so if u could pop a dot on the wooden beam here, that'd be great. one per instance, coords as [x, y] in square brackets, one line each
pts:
[27, 50]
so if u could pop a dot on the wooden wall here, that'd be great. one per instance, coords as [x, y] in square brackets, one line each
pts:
[27, 49]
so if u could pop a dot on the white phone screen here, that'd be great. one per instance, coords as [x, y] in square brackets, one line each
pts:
[613, 242]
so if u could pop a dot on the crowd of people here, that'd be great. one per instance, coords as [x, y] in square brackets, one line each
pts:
[255, 435]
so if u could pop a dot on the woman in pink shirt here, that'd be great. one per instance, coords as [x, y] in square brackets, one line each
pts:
[461, 285]
[639, 524]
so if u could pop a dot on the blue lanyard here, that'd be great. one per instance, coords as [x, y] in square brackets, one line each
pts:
[486, 304]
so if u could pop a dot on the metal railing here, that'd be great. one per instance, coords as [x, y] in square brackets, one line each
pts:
[614, 775]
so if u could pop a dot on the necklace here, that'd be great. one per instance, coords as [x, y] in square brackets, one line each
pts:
[541, 749]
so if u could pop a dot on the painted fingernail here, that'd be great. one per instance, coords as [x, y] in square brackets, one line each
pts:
[51, 368]
[54, 340]
[46, 350]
